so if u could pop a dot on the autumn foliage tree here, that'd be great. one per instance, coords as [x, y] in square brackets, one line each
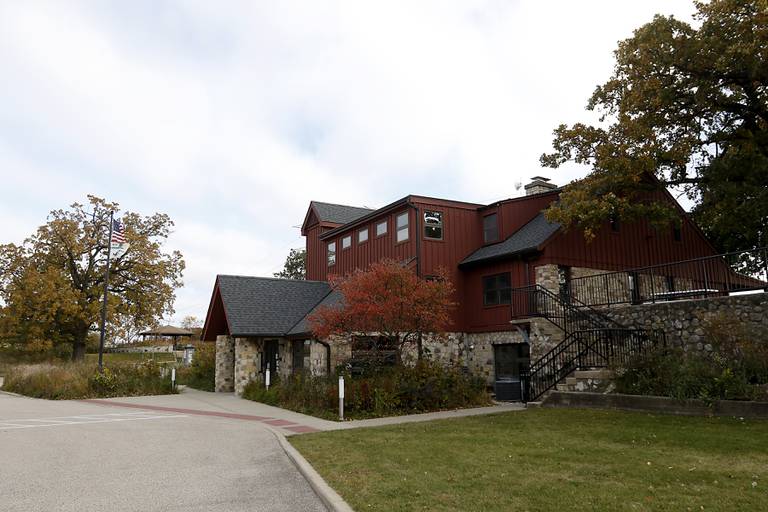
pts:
[687, 109]
[390, 300]
[51, 285]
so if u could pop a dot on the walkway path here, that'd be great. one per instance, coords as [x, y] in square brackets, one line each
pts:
[227, 405]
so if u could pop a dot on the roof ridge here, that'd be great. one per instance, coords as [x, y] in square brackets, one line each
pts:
[273, 278]
[343, 205]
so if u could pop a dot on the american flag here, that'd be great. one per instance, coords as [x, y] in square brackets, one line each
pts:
[118, 232]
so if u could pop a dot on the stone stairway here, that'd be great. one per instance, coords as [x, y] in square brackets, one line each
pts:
[590, 381]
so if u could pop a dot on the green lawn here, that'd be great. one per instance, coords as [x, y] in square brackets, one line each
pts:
[548, 459]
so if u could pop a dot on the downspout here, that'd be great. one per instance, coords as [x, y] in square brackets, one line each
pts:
[418, 238]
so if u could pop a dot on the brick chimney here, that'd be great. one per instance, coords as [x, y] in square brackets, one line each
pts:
[539, 185]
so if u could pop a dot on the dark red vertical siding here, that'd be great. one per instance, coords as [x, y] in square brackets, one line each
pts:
[361, 255]
[636, 244]
[478, 317]
[515, 213]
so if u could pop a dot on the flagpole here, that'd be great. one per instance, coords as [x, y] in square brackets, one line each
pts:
[106, 288]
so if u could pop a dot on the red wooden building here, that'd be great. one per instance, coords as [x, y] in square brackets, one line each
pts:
[488, 250]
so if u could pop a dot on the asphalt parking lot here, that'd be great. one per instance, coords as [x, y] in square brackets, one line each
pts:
[77, 456]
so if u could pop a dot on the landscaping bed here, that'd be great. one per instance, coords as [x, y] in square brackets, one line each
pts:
[379, 392]
[548, 459]
[66, 381]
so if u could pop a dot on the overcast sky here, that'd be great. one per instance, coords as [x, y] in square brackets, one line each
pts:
[231, 116]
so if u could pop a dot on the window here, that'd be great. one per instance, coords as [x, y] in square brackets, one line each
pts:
[497, 290]
[402, 227]
[433, 225]
[490, 228]
[381, 228]
[331, 253]
[346, 242]
[362, 235]
[677, 232]
[380, 350]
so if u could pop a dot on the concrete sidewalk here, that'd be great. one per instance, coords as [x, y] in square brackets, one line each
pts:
[192, 401]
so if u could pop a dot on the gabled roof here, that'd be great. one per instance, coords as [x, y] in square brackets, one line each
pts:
[334, 214]
[339, 213]
[263, 306]
[166, 330]
[530, 237]
[302, 326]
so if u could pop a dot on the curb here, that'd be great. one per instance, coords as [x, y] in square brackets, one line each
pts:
[330, 498]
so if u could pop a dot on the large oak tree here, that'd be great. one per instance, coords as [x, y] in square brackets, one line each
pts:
[51, 286]
[686, 109]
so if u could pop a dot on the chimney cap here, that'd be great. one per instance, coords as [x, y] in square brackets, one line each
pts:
[540, 178]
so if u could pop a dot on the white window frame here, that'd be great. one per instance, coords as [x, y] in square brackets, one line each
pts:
[346, 242]
[360, 239]
[402, 232]
[439, 225]
[383, 225]
[331, 253]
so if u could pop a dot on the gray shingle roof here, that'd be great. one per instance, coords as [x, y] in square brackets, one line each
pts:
[339, 213]
[302, 327]
[527, 238]
[262, 306]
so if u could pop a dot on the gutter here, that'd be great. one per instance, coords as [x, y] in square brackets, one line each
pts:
[418, 237]
[365, 218]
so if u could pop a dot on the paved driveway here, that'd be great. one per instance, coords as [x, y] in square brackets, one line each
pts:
[76, 456]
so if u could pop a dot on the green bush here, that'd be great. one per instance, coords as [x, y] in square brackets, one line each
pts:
[201, 374]
[69, 381]
[735, 367]
[427, 386]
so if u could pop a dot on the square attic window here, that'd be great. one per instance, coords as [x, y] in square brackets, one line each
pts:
[433, 225]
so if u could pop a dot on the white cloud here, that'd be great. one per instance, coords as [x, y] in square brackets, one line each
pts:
[232, 116]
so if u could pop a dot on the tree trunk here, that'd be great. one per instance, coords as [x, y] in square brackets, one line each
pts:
[78, 350]
[78, 346]
[420, 346]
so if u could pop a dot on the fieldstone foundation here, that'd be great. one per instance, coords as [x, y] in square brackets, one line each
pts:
[685, 322]
[225, 364]
[247, 362]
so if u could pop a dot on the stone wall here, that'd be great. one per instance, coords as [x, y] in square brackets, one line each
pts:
[247, 362]
[225, 364]
[685, 321]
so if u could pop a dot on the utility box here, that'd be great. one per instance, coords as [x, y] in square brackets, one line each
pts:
[508, 390]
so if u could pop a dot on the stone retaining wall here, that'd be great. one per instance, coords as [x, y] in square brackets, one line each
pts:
[658, 404]
[685, 321]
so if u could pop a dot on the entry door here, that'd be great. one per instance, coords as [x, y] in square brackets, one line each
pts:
[510, 359]
[271, 348]
[298, 355]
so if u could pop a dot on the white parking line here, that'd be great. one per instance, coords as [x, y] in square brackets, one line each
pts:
[86, 419]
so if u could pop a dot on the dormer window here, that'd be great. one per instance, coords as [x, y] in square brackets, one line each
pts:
[433, 225]
[331, 253]
[346, 242]
[490, 228]
[362, 235]
[381, 228]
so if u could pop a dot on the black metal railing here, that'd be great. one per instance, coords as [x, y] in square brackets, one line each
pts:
[712, 276]
[586, 349]
[569, 314]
